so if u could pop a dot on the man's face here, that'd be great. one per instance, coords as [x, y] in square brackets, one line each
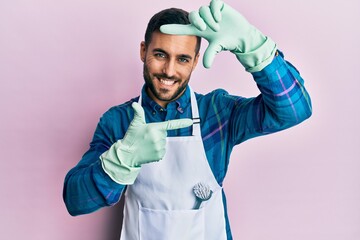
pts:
[168, 63]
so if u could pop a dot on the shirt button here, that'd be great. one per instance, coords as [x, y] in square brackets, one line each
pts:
[180, 110]
[153, 112]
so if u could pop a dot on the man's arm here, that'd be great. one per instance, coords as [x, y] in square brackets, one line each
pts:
[113, 162]
[283, 102]
[87, 187]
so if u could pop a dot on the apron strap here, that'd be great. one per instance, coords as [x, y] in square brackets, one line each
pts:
[195, 114]
[194, 111]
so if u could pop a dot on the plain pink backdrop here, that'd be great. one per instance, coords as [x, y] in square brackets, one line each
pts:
[64, 63]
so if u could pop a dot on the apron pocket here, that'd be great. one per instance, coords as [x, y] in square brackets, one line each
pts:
[171, 224]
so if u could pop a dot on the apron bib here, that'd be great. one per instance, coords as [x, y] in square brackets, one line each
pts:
[160, 203]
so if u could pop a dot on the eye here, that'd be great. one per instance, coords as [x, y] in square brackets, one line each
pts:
[183, 60]
[160, 55]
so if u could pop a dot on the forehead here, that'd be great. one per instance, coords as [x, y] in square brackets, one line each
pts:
[173, 44]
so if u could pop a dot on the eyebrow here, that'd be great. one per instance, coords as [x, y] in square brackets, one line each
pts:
[180, 55]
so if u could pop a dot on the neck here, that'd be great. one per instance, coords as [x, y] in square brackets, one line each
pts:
[162, 103]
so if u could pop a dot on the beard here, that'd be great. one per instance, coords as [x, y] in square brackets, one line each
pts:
[164, 94]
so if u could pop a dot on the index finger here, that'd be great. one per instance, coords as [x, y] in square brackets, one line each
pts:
[180, 29]
[174, 124]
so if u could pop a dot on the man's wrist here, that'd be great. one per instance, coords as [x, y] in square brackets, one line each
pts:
[121, 174]
[116, 168]
[258, 58]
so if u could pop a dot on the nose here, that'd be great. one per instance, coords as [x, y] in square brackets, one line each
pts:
[169, 68]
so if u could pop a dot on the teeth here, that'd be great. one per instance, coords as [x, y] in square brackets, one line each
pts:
[167, 82]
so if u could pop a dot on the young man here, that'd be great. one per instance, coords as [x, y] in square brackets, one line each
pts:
[157, 147]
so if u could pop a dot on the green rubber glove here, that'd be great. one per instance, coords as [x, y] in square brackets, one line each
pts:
[226, 29]
[142, 143]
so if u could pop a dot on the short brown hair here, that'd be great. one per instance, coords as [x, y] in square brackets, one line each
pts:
[168, 16]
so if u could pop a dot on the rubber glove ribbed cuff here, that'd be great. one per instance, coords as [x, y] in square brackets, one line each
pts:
[116, 169]
[259, 58]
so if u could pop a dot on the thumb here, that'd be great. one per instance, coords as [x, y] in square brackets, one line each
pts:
[210, 53]
[173, 124]
[180, 29]
[139, 114]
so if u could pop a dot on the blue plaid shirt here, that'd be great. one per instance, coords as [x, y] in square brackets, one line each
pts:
[226, 121]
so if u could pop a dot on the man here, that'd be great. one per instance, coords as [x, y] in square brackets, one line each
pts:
[157, 147]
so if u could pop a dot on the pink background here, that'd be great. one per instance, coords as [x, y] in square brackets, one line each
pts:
[64, 63]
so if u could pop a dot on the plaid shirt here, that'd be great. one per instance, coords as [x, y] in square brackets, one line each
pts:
[226, 121]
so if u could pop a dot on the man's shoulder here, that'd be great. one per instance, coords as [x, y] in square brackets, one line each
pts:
[121, 110]
[219, 99]
[213, 95]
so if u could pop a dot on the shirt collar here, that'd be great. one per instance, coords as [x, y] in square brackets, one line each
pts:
[179, 104]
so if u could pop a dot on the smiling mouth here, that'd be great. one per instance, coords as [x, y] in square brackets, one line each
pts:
[167, 82]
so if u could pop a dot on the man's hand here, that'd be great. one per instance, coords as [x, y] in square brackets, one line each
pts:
[226, 29]
[142, 143]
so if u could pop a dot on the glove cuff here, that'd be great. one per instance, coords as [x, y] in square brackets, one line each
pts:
[258, 58]
[119, 171]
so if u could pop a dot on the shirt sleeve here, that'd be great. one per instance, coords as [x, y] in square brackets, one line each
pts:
[284, 102]
[87, 187]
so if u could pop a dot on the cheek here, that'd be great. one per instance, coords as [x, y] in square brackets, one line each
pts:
[186, 70]
[153, 65]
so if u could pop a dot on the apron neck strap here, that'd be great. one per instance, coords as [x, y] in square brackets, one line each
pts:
[195, 114]
[194, 111]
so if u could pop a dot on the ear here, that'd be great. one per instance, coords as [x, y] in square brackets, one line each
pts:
[142, 51]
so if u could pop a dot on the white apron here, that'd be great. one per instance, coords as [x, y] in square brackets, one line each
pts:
[159, 205]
